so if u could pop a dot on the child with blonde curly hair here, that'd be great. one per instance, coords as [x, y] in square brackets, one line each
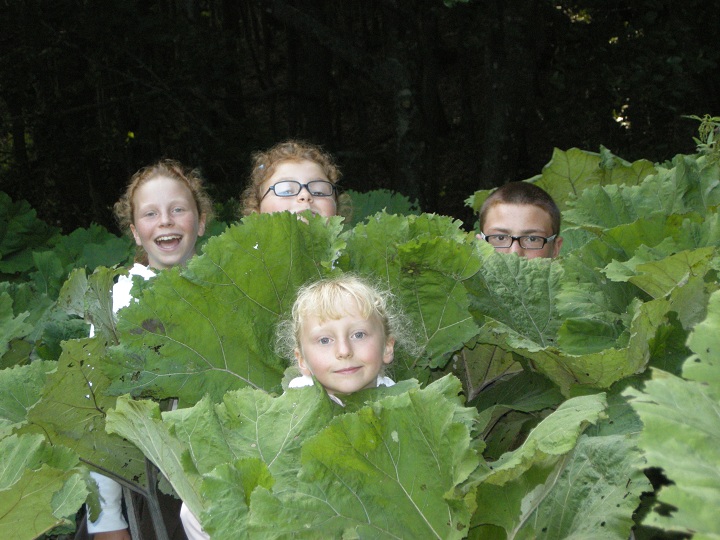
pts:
[342, 332]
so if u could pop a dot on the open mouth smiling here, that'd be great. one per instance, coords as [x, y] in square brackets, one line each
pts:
[168, 240]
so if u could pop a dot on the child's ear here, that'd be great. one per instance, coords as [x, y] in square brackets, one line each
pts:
[557, 246]
[135, 235]
[201, 224]
[302, 364]
[389, 353]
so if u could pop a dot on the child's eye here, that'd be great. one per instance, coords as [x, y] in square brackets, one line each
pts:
[359, 334]
[149, 213]
[324, 340]
[178, 210]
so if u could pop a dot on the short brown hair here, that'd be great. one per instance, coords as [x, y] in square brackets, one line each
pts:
[265, 162]
[522, 193]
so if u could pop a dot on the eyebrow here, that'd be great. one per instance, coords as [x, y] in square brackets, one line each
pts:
[290, 178]
[498, 230]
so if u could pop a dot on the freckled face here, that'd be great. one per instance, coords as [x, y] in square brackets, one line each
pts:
[303, 172]
[522, 220]
[166, 222]
[347, 354]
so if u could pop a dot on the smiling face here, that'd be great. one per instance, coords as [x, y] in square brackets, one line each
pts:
[346, 354]
[303, 172]
[166, 222]
[522, 220]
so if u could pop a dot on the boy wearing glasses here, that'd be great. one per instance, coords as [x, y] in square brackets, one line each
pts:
[521, 218]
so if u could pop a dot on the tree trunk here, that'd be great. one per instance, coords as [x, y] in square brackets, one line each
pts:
[509, 72]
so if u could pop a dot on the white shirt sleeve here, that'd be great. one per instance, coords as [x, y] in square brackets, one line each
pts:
[307, 380]
[111, 517]
[192, 527]
[299, 382]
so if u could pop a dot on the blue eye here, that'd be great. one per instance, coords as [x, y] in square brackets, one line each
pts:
[324, 341]
[359, 334]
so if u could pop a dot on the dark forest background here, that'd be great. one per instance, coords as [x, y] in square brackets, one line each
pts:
[433, 100]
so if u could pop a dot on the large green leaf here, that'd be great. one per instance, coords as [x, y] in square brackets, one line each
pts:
[570, 172]
[38, 327]
[690, 185]
[210, 328]
[41, 487]
[518, 293]
[21, 389]
[510, 408]
[565, 484]
[11, 326]
[432, 291]
[248, 424]
[21, 232]
[515, 298]
[423, 260]
[479, 366]
[681, 434]
[73, 408]
[374, 471]
[368, 203]
[554, 436]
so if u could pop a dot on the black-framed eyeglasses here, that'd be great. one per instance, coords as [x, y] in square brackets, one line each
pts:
[525, 242]
[290, 188]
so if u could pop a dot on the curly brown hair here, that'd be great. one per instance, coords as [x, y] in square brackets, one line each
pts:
[265, 162]
[169, 168]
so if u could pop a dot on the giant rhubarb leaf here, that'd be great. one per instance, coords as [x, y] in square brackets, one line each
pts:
[372, 470]
[210, 328]
[21, 389]
[562, 483]
[690, 185]
[73, 408]
[41, 487]
[423, 260]
[682, 434]
[570, 172]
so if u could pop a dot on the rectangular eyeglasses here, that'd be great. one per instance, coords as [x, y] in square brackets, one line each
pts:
[525, 242]
[290, 188]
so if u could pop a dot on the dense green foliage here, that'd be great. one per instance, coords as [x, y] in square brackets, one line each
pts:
[543, 390]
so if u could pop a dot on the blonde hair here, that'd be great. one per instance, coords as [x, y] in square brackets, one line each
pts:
[265, 163]
[125, 212]
[326, 298]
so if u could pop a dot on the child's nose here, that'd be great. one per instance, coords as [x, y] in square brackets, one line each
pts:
[343, 349]
[304, 194]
